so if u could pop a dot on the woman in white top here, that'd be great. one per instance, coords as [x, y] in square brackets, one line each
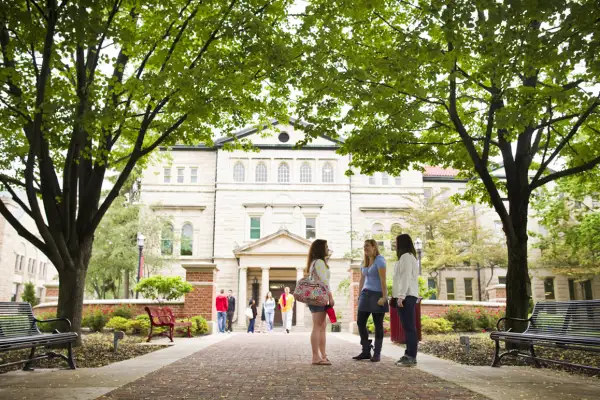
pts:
[405, 291]
[317, 255]
[269, 307]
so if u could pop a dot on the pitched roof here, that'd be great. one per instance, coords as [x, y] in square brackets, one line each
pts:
[266, 239]
[440, 172]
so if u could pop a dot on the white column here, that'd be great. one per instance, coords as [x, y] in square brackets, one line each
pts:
[300, 306]
[264, 285]
[242, 299]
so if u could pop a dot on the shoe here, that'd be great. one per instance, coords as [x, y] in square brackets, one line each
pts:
[377, 350]
[406, 362]
[287, 331]
[366, 351]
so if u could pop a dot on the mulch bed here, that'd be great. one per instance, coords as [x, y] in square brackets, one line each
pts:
[96, 351]
[482, 350]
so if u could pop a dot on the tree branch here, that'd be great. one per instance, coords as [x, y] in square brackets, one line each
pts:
[22, 231]
[564, 173]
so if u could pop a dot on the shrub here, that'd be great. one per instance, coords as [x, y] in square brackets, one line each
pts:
[463, 320]
[125, 311]
[163, 288]
[29, 294]
[487, 319]
[95, 319]
[118, 323]
[434, 326]
[199, 325]
[47, 326]
[139, 325]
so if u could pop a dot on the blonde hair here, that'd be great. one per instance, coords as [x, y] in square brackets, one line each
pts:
[366, 261]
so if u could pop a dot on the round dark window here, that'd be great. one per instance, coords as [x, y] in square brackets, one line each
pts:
[284, 137]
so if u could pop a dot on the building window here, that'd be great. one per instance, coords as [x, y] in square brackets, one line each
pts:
[572, 295]
[254, 227]
[40, 292]
[432, 285]
[260, 175]
[283, 173]
[377, 229]
[166, 240]
[385, 179]
[15, 292]
[502, 280]
[549, 289]
[398, 181]
[450, 295]
[587, 290]
[311, 228]
[427, 193]
[371, 180]
[42, 270]
[239, 172]
[31, 266]
[468, 289]
[180, 174]
[305, 173]
[381, 245]
[19, 260]
[194, 175]
[327, 175]
[187, 240]
[167, 175]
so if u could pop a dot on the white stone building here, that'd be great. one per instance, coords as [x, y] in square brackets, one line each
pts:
[20, 261]
[254, 214]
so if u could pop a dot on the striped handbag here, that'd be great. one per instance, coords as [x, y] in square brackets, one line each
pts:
[311, 291]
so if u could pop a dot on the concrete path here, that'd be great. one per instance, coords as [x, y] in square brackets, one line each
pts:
[502, 383]
[90, 383]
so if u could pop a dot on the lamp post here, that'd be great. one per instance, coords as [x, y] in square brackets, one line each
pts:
[419, 248]
[140, 243]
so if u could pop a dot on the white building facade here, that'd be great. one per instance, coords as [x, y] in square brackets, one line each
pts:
[254, 215]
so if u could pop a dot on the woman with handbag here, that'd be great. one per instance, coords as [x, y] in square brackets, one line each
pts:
[372, 300]
[251, 313]
[405, 292]
[318, 270]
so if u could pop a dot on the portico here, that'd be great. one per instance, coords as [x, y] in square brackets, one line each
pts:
[270, 264]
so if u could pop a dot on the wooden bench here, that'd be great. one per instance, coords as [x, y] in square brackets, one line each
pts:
[164, 317]
[19, 330]
[573, 325]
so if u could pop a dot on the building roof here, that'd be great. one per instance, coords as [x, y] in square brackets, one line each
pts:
[440, 172]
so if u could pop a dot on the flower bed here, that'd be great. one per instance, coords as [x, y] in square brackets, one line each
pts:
[96, 351]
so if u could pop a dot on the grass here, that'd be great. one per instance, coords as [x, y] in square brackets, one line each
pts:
[482, 350]
[95, 351]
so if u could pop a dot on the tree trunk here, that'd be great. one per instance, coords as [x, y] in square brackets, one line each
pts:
[126, 285]
[518, 288]
[71, 292]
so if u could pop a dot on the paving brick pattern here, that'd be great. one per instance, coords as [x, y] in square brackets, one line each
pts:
[277, 366]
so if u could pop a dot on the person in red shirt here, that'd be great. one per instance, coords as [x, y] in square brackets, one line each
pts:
[222, 305]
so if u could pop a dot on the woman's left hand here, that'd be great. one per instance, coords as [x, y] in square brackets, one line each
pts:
[381, 301]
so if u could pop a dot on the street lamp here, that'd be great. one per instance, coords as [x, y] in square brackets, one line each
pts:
[140, 243]
[419, 248]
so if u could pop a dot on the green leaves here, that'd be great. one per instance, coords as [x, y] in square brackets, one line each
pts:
[163, 288]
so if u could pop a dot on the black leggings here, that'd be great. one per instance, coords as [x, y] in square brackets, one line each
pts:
[362, 318]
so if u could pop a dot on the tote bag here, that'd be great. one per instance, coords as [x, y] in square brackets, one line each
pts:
[311, 291]
[249, 313]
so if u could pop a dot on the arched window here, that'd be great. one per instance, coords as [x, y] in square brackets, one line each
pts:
[385, 178]
[283, 173]
[261, 173]
[239, 172]
[305, 173]
[396, 229]
[377, 229]
[327, 176]
[166, 240]
[187, 238]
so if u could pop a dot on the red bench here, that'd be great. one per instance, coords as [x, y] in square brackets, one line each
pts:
[164, 317]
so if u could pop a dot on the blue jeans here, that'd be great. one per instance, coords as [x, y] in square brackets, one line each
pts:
[251, 325]
[270, 316]
[407, 318]
[221, 318]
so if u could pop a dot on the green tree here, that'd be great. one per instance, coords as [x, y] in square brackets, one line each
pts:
[115, 255]
[29, 294]
[163, 288]
[92, 87]
[473, 85]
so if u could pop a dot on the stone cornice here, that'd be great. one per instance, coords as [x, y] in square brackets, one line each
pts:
[199, 267]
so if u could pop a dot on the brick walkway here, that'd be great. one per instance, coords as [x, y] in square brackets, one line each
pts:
[277, 366]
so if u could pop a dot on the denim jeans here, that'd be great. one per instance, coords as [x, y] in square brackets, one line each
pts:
[270, 317]
[221, 317]
[251, 325]
[407, 318]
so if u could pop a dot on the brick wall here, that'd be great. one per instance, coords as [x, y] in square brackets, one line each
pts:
[438, 308]
[201, 300]
[137, 306]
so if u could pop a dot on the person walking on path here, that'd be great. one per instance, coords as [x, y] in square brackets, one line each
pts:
[269, 310]
[286, 303]
[319, 270]
[372, 300]
[405, 292]
[230, 310]
[252, 305]
[221, 303]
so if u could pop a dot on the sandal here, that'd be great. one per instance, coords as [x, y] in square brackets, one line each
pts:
[322, 362]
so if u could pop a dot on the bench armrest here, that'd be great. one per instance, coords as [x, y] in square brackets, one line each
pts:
[511, 319]
[54, 320]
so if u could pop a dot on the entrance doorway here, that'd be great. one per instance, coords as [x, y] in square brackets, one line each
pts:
[277, 289]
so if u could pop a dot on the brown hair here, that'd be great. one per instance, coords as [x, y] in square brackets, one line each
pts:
[366, 261]
[404, 244]
[316, 252]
